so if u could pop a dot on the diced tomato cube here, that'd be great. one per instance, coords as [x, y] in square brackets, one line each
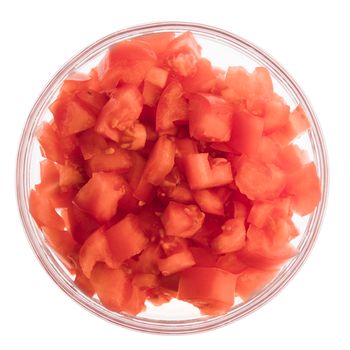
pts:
[276, 115]
[134, 138]
[203, 173]
[203, 257]
[258, 180]
[238, 80]
[120, 112]
[126, 238]
[291, 158]
[176, 262]
[305, 188]
[158, 41]
[171, 108]
[43, 212]
[231, 263]
[210, 118]
[160, 161]
[212, 201]
[100, 195]
[209, 288]
[157, 76]
[91, 143]
[96, 249]
[92, 100]
[232, 238]
[246, 133]
[151, 94]
[182, 220]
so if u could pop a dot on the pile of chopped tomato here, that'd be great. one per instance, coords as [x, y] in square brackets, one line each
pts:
[165, 177]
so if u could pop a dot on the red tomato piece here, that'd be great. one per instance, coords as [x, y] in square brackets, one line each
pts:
[210, 118]
[296, 125]
[112, 158]
[268, 150]
[232, 238]
[291, 158]
[231, 263]
[126, 62]
[112, 286]
[180, 193]
[203, 257]
[91, 143]
[96, 249]
[92, 100]
[43, 212]
[238, 81]
[151, 94]
[212, 201]
[120, 112]
[305, 187]
[158, 41]
[202, 172]
[171, 108]
[202, 80]
[61, 241]
[261, 83]
[276, 114]
[134, 138]
[126, 238]
[50, 143]
[50, 186]
[209, 288]
[100, 195]
[70, 176]
[72, 117]
[84, 284]
[182, 220]
[182, 54]
[176, 262]
[157, 76]
[246, 133]
[147, 262]
[258, 180]
[251, 280]
[160, 161]
[261, 211]
[81, 224]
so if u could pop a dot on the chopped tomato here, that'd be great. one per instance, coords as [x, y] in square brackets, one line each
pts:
[171, 108]
[246, 133]
[258, 180]
[211, 289]
[120, 112]
[304, 186]
[232, 238]
[202, 172]
[166, 177]
[100, 195]
[160, 161]
[96, 249]
[210, 118]
[251, 280]
[182, 54]
[212, 201]
[43, 212]
[126, 238]
[182, 220]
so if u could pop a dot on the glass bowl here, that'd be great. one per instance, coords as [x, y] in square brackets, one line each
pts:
[223, 49]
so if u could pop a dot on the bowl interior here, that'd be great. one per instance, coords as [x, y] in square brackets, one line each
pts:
[223, 50]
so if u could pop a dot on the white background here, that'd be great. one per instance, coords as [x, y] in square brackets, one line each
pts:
[310, 38]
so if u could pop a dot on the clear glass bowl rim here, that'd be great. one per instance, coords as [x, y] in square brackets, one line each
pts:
[159, 326]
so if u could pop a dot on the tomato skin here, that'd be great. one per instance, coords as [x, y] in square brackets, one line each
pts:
[208, 286]
[126, 238]
[182, 220]
[202, 174]
[210, 118]
[171, 108]
[100, 195]
[160, 161]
